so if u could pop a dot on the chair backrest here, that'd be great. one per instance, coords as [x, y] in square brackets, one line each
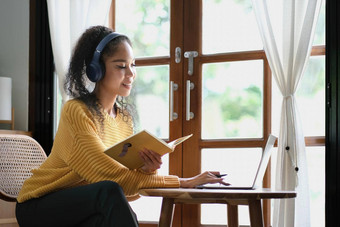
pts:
[19, 154]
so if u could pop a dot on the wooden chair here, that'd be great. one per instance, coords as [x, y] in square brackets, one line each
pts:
[19, 154]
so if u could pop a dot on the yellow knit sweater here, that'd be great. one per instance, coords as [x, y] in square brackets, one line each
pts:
[77, 157]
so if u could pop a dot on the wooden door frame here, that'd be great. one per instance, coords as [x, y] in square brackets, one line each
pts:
[193, 41]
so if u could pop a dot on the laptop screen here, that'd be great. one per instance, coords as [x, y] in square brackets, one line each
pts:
[251, 179]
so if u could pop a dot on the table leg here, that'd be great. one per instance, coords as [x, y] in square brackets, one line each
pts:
[232, 211]
[167, 212]
[255, 213]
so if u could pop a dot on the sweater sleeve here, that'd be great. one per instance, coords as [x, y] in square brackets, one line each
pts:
[88, 160]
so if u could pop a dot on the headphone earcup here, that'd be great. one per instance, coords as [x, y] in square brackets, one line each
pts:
[94, 71]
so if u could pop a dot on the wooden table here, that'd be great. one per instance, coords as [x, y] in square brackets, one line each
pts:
[232, 198]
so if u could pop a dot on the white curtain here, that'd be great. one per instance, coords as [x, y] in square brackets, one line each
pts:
[287, 30]
[68, 19]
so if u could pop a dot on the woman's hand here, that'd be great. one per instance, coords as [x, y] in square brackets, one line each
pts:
[152, 160]
[203, 178]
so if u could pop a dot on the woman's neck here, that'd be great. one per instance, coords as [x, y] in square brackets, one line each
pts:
[107, 102]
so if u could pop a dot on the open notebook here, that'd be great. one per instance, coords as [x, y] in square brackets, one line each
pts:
[257, 182]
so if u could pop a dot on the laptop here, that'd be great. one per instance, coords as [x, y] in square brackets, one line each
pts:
[257, 182]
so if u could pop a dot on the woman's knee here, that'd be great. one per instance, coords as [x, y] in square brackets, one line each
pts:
[114, 205]
[111, 187]
[110, 193]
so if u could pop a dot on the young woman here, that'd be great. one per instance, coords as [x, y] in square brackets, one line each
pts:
[79, 185]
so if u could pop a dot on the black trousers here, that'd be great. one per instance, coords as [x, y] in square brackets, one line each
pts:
[98, 204]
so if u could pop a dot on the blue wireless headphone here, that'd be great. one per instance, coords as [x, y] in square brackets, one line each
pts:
[95, 70]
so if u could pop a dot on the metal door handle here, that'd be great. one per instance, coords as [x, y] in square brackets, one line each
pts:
[189, 115]
[173, 87]
[178, 55]
[190, 55]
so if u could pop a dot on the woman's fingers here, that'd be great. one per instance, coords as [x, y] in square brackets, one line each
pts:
[151, 156]
[206, 177]
[152, 160]
[214, 177]
[214, 172]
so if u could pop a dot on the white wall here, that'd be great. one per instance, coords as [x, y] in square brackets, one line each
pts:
[14, 55]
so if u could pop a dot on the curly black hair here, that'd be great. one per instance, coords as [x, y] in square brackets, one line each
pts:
[77, 83]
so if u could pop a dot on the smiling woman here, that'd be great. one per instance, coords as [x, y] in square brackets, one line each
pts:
[110, 67]
[78, 184]
[119, 76]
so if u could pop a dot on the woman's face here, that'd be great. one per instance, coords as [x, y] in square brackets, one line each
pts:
[119, 71]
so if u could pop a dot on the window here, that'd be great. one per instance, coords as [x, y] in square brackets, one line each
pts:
[233, 96]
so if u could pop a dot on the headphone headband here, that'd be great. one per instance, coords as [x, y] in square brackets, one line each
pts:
[95, 70]
[105, 41]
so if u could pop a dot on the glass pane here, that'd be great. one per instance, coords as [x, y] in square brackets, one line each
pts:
[310, 96]
[240, 164]
[320, 30]
[316, 174]
[232, 100]
[241, 33]
[151, 94]
[317, 182]
[147, 24]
